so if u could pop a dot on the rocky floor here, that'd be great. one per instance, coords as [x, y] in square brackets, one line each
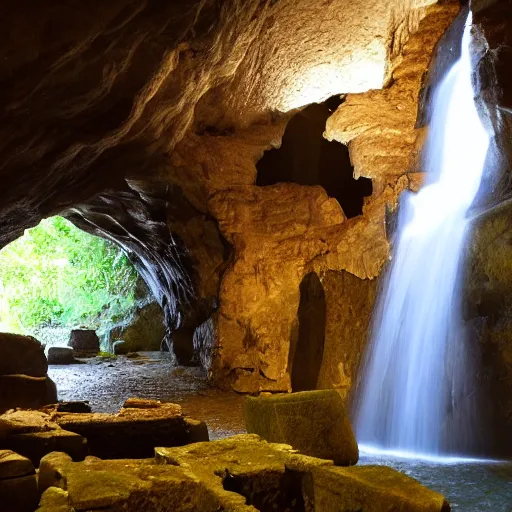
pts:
[107, 382]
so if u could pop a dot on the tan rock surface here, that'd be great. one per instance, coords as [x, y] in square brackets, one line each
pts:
[238, 474]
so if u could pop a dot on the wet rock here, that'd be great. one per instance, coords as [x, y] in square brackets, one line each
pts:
[374, 488]
[85, 342]
[488, 311]
[61, 355]
[21, 355]
[314, 422]
[120, 347]
[26, 392]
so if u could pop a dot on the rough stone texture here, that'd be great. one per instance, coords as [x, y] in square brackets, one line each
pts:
[18, 484]
[84, 342]
[22, 355]
[488, 309]
[154, 146]
[132, 433]
[145, 331]
[313, 422]
[389, 489]
[13, 465]
[238, 474]
[61, 355]
[349, 306]
[33, 434]
[135, 430]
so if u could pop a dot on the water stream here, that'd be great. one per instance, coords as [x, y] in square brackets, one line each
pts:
[413, 397]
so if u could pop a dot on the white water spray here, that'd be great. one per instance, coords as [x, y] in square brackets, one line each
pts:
[414, 375]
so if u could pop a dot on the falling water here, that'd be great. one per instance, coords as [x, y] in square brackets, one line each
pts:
[414, 375]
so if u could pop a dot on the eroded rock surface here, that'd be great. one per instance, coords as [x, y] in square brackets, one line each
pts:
[132, 433]
[238, 474]
[313, 422]
[144, 122]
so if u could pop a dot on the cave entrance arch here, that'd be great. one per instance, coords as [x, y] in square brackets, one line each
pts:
[309, 348]
[57, 278]
[307, 158]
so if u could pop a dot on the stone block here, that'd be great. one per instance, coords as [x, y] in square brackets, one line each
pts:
[61, 355]
[242, 474]
[19, 494]
[120, 347]
[35, 445]
[13, 465]
[368, 489]
[26, 392]
[313, 422]
[84, 341]
[21, 355]
[136, 430]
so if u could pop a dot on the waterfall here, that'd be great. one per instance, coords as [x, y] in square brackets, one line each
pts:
[415, 373]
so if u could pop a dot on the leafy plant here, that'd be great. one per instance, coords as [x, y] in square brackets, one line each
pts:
[58, 275]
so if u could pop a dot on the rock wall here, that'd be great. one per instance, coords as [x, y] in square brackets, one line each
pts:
[144, 120]
[488, 275]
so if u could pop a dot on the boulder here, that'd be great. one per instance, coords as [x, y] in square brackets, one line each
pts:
[368, 488]
[35, 445]
[18, 485]
[144, 332]
[19, 494]
[76, 406]
[120, 347]
[313, 422]
[26, 392]
[21, 355]
[13, 465]
[61, 355]
[132, 433]
[135, 431]
[84, 341]
[242, 473]
[33, 434]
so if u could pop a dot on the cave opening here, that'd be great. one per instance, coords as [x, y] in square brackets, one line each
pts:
[57, 278]
[307, 158]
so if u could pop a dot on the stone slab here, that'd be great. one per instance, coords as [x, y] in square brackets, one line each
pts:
[314, 422]
[13, 465]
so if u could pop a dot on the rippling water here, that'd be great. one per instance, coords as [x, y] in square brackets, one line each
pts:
[468, 486]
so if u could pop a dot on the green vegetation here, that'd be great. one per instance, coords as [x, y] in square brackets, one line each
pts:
[56, 275]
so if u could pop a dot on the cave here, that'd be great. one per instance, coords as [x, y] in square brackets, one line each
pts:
[305, 157]
[57, 278]
[313, 200]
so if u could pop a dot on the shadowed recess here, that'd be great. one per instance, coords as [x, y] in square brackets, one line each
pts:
[307, 158]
